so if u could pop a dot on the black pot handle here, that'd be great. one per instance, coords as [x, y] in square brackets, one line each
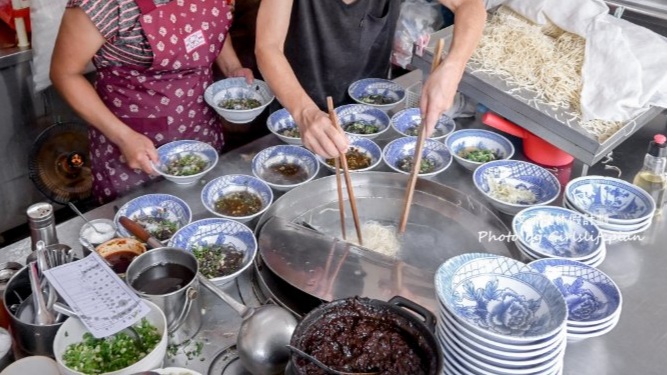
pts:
[429, 318]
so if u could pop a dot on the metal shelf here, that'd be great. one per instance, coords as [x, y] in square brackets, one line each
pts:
[544, 122]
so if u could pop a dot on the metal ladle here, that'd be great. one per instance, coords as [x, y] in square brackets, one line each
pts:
[265, 331]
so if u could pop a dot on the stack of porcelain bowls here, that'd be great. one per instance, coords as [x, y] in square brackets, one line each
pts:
[498, 316]
[555, 232]
[621, 210]
[593, 299]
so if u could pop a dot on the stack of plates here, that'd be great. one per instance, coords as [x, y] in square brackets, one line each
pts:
[498, 316]
[621, 210]
[555, 232]
[593, 299]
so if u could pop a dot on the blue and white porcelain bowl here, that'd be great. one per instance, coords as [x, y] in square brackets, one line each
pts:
[592, 297]
[377, 86]
[233, 183]
[500, 298]
[594, 261]
[407, 122]
[610, 200]
[512, 185]
[362, 145]
[350, 113]
[436, 152]
[266, 163]
[238, 88]
[218, 231]
[469, 139]
[280, 122]
[556, 232]
[155, 212]
[172, 152]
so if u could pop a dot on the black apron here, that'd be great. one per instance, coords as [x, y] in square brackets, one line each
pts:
[331, 44]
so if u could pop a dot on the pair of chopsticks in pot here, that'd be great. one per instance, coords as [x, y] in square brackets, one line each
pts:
[342, 160]
[419, 147]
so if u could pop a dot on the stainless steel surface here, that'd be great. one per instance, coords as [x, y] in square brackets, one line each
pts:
[651, 8]
[544, 121]
[635, 346]
[264, 333]
[13, 56]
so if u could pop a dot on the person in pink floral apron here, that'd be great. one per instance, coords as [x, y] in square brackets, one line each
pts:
[154, 59]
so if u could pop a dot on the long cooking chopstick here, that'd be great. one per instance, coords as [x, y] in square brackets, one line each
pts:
[346, 172]
[341, 205]
[419, 147]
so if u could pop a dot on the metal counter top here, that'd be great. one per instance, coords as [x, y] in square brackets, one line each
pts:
[635, 346]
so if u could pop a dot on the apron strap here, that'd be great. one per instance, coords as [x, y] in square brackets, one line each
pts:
[145, 6]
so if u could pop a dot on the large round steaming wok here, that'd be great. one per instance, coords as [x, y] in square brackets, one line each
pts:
[444, 222]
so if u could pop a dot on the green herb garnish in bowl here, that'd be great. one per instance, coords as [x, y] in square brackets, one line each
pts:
[186, 165]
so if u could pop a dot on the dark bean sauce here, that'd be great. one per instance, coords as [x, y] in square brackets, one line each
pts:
[120, 260]
[163, 279]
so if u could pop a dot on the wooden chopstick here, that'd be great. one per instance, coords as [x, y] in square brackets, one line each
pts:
[346, 172]
[341, 206]
[419, 147]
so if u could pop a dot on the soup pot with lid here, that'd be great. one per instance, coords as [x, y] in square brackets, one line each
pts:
[398, 315]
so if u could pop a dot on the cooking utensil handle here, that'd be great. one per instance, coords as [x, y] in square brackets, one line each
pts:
[503, 124]
[139, 231]
[429, 318]
[190, 296]
[238, 307]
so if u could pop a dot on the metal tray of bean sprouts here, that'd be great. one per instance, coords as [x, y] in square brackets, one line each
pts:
[516, 105]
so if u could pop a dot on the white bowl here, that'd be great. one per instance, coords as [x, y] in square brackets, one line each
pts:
[72, 330]
[350, 113]
[37, 365]
[407, 122]
[224, 185]
[362, 145]
[176, 371]
[238, 88]
[176, 150]
[218, 231]
[377, 86]
[271, 157]
[464, 139]
[519, 175]
[610, 199]
[162, 206]
[280, 121]
[400, 148]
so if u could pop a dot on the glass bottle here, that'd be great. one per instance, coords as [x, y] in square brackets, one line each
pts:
[652, 177]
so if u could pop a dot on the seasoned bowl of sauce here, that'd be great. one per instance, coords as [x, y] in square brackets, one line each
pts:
[120, 252]
[379, 93]
[285, 167]
[237, 197]
[362, 155]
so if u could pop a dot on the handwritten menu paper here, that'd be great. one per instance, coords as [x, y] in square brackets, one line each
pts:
[104, 303]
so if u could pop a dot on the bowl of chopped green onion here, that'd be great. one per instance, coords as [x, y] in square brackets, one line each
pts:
[282, 124]
[399, 153]
[224, 248]
[78, 352]
[362, 120]
[474, 147]
[185, 162]
[379, 93]
[238, 101]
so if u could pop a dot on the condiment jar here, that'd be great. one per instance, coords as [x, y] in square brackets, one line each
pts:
[42, 224]
[95, 238]
[652, 177]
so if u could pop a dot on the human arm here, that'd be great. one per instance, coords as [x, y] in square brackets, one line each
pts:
[229, 62]
[317, 131]
[77, 42]
[440, 88]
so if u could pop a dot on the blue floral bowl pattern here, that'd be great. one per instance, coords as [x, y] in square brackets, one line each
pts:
[232, 183]
[377, 86]
[500, 297]
[157, 206]
[557, 232]
[591, 296]
[362, 145]
[610, 199]
[407, 122]
[271, 156]
[278, 122]
[363, 113]
[171, 151]
[516, 176]
[398, 149]
[218, 231]
[238, 88]
[466, 139]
